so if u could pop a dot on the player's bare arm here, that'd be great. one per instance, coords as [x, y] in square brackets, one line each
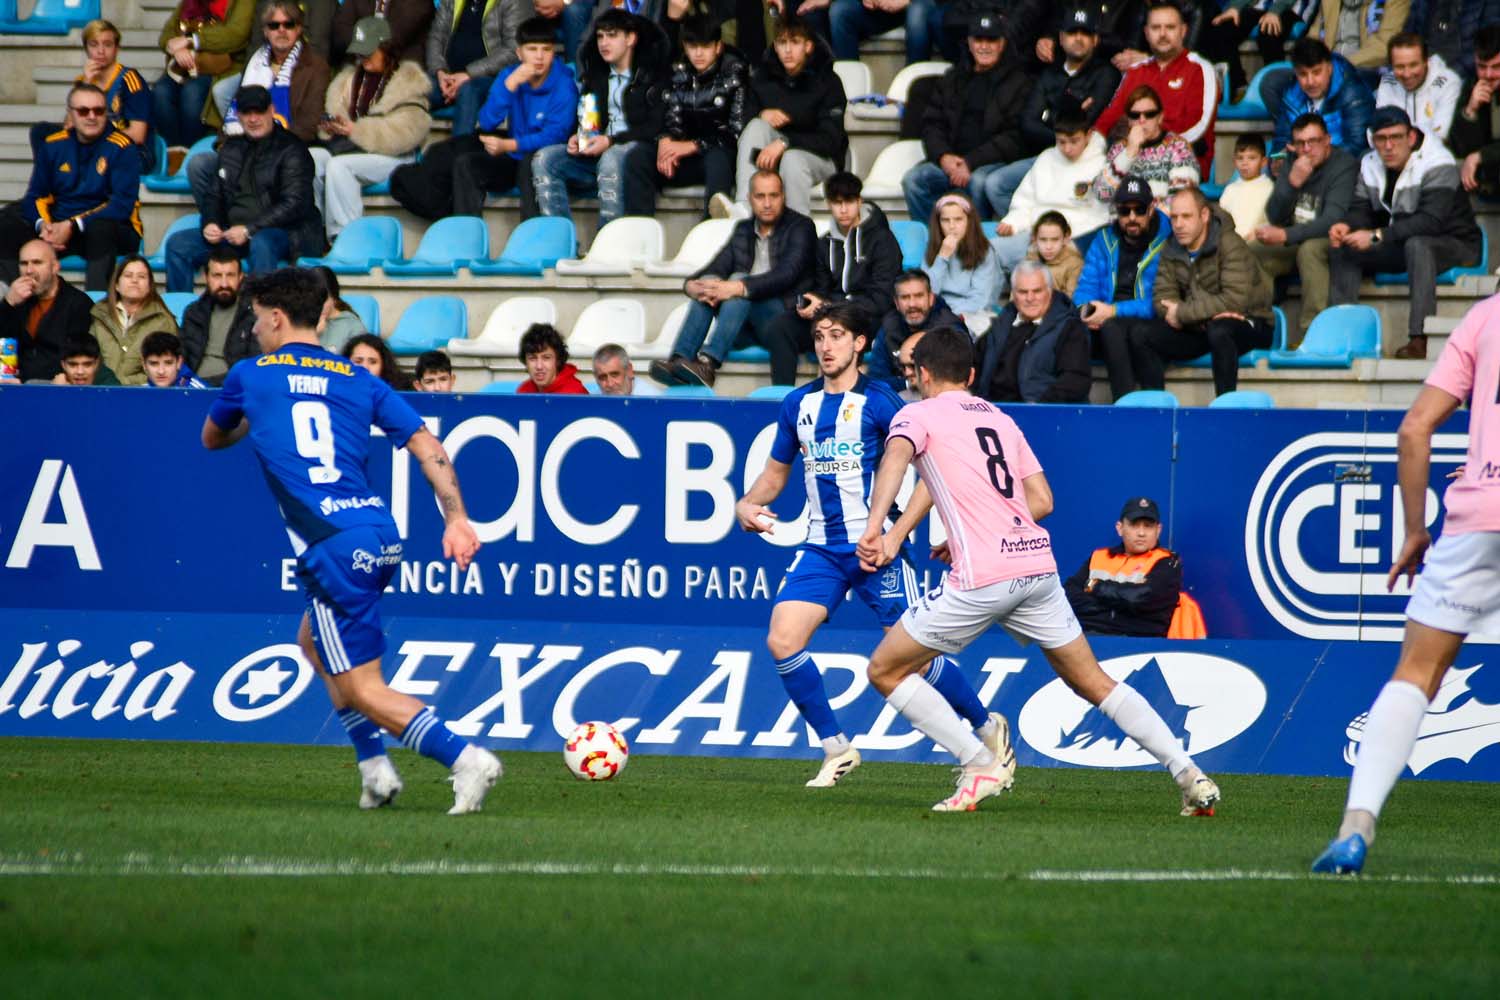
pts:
[216, 437]
[890, 543]
[460, 543]
[751, 510]
[898, 455]
[1038, 496]
[1413, 466]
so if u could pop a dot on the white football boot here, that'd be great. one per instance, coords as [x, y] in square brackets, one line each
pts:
[835, 768]
[977, 783]
[474, 774]
[379, 782]
[1199, 798]
[998, 743]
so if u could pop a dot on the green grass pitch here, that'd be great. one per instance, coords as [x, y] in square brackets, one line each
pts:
[176, 869]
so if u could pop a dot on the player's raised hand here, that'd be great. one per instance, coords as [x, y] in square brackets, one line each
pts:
[871, 549]
[754, 517]
[1410, 559]
[941, 554]
[460, 543]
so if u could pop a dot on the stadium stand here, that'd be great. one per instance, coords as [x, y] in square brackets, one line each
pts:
[534, 245]
[365, 244]
[624, 245]
[428, 326]
[448, 245]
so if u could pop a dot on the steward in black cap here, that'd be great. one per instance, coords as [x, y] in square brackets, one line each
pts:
[1131, 588]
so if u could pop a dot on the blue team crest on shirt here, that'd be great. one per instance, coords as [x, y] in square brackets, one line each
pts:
[890, 582]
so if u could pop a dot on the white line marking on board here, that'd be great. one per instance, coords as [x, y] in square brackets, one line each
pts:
[251, 867]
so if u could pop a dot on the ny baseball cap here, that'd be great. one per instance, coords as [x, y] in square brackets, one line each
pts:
[369, 34]
[1140, 508]
[987, 25]
[1134, 190]
[1081, 18]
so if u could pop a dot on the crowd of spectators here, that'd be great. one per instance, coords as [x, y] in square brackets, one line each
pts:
[1082, 136]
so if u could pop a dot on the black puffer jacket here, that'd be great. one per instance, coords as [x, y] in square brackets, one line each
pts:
[283, 187]
[643, 103]
[239, 345]
[708, 108]
[1005, 88]
[793, 244]
[814, 99]
[860, 268]
[1097, 79]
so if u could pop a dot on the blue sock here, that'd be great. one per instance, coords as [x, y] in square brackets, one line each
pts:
[430, 736]
[950, 682]
[363, 733]
[804, 685]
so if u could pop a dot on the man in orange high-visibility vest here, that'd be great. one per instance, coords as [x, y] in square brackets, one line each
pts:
[1131, 588]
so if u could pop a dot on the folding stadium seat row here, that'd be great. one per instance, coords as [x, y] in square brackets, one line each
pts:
[47, 17]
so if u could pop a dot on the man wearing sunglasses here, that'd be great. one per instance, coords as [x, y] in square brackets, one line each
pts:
[83, 194]
[1119, 273]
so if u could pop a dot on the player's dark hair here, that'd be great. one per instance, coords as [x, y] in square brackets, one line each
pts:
[535, 31]
[540, 336]
[842, 186]
[1307, 118]
[946, 353]
[1251, 140]
[1487, 42]
[849, 316]
[1308, 52]
[433, 361]
[299, 292]
[161, 344]
[700, 29]
[1406, 40]
[80, 345]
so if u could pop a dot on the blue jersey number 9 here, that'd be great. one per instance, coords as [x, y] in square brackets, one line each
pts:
[314, 433]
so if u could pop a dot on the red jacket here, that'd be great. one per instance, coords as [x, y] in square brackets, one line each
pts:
[566, 384]
[1190, 101]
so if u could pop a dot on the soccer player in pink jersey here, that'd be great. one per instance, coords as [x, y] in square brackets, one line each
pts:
[989, 490]
[1459, 589]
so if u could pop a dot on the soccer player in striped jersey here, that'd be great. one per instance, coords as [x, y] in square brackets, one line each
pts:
[308, 415]
[838, 423]
[989, 490]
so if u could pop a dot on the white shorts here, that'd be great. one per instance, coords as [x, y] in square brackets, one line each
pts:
[1458, 589]
[1030, 608]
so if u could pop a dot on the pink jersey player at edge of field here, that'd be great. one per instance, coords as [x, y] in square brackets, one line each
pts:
[1470, 367]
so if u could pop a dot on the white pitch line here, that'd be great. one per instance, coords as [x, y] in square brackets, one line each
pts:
[250, 867]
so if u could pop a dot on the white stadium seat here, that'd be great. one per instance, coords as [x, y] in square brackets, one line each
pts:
[698, 248]
[501, 336]
[622, 246]
[884, 180]
[609, 321]
[900, 91]
[660, 347]
[855, 77]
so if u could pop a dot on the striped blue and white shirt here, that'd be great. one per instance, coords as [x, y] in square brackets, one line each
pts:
[841, 437]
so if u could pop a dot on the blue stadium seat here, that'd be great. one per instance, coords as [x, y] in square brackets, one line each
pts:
[159, 151]
[98, 295]
[48, 17]
[367, 308]
[178, 183]
[158, 260]
[1210, 187]
[1243, 399]
[689, 391]
[365, 244]
[448, 245]
[912, 236]
[991, 229]
[1337, 336]
[1253, 106]
[1160, 398]
[500, 388]
[750, 355]
[428, 324]
[1450, 276]
[1249, 358]
[177, 303]
[770, 391]
[533, 246]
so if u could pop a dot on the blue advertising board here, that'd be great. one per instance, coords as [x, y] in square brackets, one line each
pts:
[149, 590]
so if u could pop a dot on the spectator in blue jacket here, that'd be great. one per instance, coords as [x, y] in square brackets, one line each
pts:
[1119, 274]
[1329, 85]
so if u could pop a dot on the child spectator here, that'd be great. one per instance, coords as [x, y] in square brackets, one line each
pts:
[370, 353]
[1245, 197]
[1052, 245]
[82, 364]
[132, 311]
[161, 354]
[434, 372]
[546, 359]
[960, 264]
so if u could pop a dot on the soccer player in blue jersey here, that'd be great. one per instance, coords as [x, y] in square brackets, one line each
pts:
[308, 415]
[839, 423]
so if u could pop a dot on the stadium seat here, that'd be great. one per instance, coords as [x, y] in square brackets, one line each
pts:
[448, 245]
[178, 183]
[622, 246]
[177, 303]
[900, 90]
[884, 180]
[97, 294]
[699, 246]
[1210, 186]
[1243, 399]
[1159, 398]
[1249, 358]
[532, 247]
[48, 17]
[501, 336]
[363, 245]
[659, 348]
[158, 260]
[855, 76]
[615, 320]
[770, 391]
[1337, 336]
[852, 163]
[367, 308]
[912, 237]
[428, 324]
[688, 391]
[1253, 105]
[159, 151]
[1450, 276]
[505, 388]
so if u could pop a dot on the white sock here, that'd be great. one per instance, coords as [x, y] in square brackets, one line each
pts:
[1390, 733]
[835, 745]
[930, 712]
[986, 730]
[1132, 713]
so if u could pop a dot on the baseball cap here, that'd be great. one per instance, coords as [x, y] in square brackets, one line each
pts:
[1139, 508]
[1134, 190]
[369, 34]
[1081, 18]
[253, 98]
[1387, 115]
[987, 25]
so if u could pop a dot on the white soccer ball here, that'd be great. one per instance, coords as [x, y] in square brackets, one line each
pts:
[595, 751]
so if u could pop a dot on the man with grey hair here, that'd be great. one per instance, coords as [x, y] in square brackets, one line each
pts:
[614, 373]
[1037, 351]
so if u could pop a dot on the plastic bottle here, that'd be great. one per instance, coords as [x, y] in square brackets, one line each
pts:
[10, 362]
[588, 119]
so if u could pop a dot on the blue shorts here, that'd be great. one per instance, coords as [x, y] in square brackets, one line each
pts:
[823, 575]
[343, 577]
